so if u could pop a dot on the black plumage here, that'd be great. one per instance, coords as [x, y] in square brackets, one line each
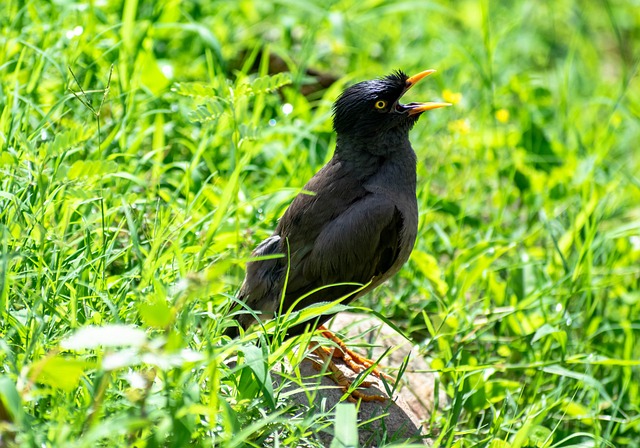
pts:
[360, 223]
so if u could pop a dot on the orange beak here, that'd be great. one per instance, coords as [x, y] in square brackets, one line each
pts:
[413, 80]
[417, 108]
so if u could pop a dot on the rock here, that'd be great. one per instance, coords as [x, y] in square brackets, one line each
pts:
[398, 419]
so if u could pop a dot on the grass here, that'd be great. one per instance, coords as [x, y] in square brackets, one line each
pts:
[142, 159]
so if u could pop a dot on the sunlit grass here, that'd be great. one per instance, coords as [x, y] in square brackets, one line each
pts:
[130, 201]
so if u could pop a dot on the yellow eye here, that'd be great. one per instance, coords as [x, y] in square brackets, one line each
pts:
[381, 104]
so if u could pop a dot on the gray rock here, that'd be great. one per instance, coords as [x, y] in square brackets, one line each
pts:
[398, 419]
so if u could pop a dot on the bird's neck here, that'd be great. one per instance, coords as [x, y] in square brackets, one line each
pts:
[384, 144]
[366, 155]
[384, 164]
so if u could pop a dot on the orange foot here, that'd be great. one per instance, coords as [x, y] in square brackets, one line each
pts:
[357, 363]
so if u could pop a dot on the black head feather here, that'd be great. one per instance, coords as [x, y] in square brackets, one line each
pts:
[397, 77]
[354, 111]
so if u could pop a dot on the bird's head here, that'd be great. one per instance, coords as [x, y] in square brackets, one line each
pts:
[370, 107]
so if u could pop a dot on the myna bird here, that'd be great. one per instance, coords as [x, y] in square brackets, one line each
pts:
[355, 221]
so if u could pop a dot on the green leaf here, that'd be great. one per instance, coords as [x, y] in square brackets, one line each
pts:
[266, 84]
[59, 372]
[605, 361]
[91, 168]
[540, 436]
[543, 331]
[480, 259]
[128, 24]
[240, 437]
[194, 89]
[210, 110]
[156, 312]
[346, 426]
[6, 159]
[548, 330]
[151, 76]
[475, 392]
[497, 390]
[428, 266]
[67, 139]
[577, 411]
[495, 443]
[255, 361]
[521, 180]
[541, 155]
[10, 400]
[586, 379]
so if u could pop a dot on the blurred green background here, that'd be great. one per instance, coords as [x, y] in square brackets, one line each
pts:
[147, 147]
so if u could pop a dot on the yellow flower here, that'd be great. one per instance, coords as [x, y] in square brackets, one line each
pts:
[502, 115]
[460, 126]
[451, 97]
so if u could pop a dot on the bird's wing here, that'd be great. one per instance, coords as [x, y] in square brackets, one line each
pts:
[263, 282]
[262, 275]
[358, 245]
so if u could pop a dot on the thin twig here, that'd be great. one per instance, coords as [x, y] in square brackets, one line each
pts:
[96, 113]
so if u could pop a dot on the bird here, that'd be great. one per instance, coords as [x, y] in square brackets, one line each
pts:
[354, 224]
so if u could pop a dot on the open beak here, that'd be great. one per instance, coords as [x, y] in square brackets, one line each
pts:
[412, 81]
[418, 108]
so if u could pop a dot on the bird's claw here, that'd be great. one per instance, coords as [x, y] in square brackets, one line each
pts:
[353, 395]
[357, 363]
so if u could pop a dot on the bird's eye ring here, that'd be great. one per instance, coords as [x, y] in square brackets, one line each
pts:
[380, 104]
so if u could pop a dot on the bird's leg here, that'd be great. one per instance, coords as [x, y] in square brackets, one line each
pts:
[327, 355]
[355, 361]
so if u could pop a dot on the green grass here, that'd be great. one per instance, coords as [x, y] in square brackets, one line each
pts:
[139, 168]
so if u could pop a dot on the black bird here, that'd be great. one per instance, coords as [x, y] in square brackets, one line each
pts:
[360, 221]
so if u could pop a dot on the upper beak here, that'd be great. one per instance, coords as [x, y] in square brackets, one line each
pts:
[417, 108]
[412, 81]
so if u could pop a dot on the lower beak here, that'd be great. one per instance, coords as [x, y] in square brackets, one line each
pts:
[417, 108]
